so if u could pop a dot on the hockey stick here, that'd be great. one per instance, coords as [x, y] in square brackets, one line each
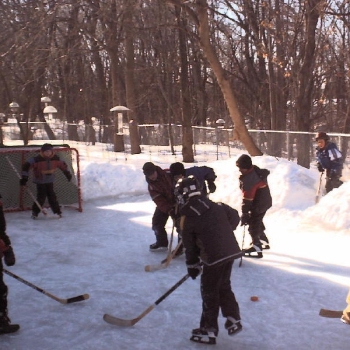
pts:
[165, 263]
[28, 190]
[319, 189]
[60, 300]
[127, 323]
[148, 268]
[330, 313]
[240, 263]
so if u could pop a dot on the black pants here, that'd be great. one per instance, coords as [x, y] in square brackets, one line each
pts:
[257, 228]
[332, 182]
[43, 191]
[159, 221]
[3, 292]
[217, 293]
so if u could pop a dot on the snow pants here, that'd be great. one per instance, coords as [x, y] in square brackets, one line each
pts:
[3, 292]
[43, 191]
[257, 228]
[217, 293]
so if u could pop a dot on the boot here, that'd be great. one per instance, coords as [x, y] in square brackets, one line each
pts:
[5, 326]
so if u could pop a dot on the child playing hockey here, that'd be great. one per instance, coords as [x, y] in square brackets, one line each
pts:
[44, 166]
[209, 242]
[6, 252]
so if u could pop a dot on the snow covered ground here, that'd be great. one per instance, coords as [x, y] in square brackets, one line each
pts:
[103, 251]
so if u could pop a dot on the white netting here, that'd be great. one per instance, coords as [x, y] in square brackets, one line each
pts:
[15, 197]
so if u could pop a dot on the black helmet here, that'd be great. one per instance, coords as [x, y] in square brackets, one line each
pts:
[187, 188]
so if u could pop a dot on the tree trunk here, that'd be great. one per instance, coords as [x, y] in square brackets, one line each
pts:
[226, 89]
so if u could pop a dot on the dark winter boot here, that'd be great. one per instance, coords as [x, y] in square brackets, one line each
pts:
[204, 336]
[233, 326]
[5, 326]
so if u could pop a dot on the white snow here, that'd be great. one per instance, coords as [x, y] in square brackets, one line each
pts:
[103, 251]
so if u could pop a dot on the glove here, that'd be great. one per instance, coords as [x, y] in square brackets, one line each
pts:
[23, 181]
[245, 219]
[68, 175]
[211, 186]
[174, 214]
[9, 257]
[319, 167]
[194, 270]
[7, 253]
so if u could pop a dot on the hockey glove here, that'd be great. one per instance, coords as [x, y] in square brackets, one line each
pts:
[68, 175]
[319, 168]
[9, 256]
[245, 219]
[211, 186]
[194, 270]
[23, 181]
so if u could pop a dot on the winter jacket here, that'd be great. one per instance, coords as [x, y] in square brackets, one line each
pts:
[330, 159]
[3, 234]
[202, 174]
[44, 168]
[256, 193]
[207, 231]
[161, 190]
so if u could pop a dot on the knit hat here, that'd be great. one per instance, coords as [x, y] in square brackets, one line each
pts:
[321, 136]
[46, 147]
[177, 169]
[244, 162]
[149, 168]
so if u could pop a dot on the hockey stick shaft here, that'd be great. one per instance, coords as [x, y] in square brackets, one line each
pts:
[28, 190]
[60, 300]
[127, 323]
[319, 189]
[241, 261]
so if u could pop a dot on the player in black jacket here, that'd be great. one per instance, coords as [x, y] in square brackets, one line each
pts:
[6, 252]
[210, 244]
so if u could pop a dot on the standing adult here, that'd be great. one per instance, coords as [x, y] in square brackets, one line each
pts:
[207, 234]
[161, 191]
[256, 201]
[7, 253]
[329, 159]
[44, 166]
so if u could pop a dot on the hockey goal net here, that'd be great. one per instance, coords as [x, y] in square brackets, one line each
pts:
[16, 198]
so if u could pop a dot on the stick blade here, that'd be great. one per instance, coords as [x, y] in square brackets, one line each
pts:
[118, 321]
[151, 268]
[78, 298]
[330, 313]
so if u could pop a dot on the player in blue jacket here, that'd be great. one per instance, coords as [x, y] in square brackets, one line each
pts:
[329, 159]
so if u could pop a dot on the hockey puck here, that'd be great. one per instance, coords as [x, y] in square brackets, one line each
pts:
[254, 298]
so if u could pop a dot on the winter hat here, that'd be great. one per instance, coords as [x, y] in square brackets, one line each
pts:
[149, 168]
[46, 147]
[177, 169]
[244, 162]
[322, 136]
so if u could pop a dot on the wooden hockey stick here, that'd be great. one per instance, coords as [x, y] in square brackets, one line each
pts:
[165, 263]
[240, 262]
[318, 193]
[60, 300]
[330, 313]
[128, 323]
[28, 190]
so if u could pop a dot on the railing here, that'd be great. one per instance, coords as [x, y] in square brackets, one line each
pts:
[208, 143]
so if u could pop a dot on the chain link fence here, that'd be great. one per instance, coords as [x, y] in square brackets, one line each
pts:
[208, 143]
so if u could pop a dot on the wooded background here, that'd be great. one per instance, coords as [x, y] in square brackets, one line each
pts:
[274, 65]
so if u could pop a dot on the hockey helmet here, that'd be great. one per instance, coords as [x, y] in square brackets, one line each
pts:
[186, 188]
